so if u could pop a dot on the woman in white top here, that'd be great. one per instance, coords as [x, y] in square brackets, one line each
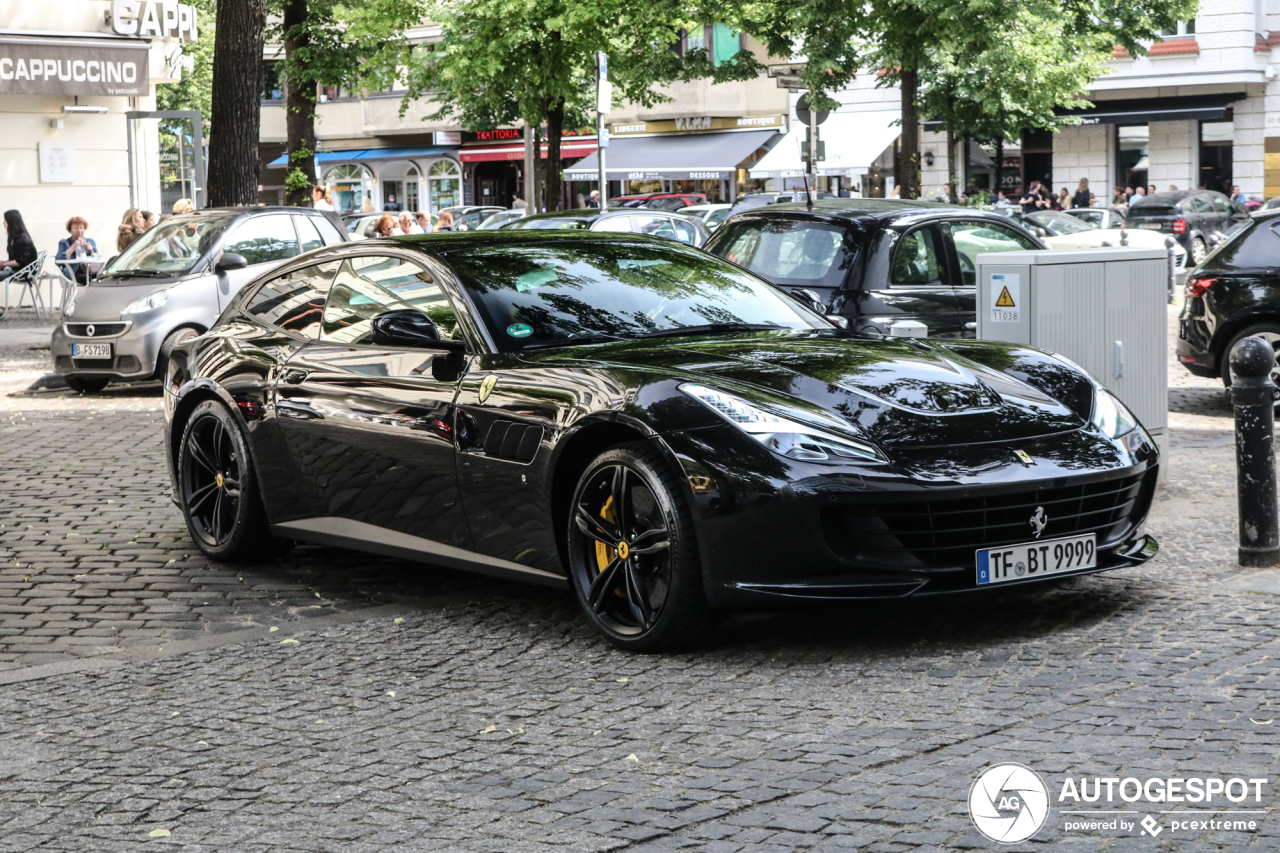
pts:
[322, 197]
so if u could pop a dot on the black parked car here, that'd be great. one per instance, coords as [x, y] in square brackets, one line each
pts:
[1198, 219]
[642, 422]
[750, 201]
[1233, 294]
[874, 261]
[626, 220]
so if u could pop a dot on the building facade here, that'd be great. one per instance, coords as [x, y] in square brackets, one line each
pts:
[74, 78]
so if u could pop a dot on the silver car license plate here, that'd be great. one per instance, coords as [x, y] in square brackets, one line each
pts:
[1151, 226]
[1036, 559]
[91, 350]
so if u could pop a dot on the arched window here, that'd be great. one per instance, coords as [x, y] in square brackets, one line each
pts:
[352, 187]
[445, 179]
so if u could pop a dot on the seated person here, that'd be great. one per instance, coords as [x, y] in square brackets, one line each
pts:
[76, 246]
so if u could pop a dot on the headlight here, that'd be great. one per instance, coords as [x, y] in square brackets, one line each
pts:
[1110, 415]
[147, 303]
[784, 437]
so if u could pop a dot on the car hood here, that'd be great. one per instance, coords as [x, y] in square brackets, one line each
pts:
[895, 392]
[105, 302]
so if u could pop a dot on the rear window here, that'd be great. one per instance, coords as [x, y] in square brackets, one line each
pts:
[1151, 208]
[1254, 246]
[797, 253]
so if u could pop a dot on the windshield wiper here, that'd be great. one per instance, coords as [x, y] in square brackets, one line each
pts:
[601, 338]
[142, 273]
[714, 329]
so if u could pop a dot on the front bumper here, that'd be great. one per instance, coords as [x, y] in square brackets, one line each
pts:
[1194, 347]
[823, 534]
[133, 350]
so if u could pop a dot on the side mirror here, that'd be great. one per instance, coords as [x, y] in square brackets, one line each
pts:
[810, 299]
[410, 328]
[231, 261]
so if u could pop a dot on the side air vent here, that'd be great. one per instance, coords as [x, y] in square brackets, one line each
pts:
[513, 441]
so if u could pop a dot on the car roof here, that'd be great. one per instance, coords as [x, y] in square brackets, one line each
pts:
[881, 209]
[1173, 197]
[448, 241]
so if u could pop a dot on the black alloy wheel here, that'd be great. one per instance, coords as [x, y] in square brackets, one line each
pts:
[633, 558]
[218, 487]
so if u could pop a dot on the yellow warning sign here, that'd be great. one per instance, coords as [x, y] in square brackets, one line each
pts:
[1005, 300]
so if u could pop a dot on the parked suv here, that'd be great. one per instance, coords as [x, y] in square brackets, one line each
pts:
[1233, 294]
[874, 261]
[172, 283]
[1198, 220]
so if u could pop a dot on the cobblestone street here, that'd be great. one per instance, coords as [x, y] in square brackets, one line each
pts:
[335, 701]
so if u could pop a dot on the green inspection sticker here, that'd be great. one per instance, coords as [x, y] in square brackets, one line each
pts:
[519, 330]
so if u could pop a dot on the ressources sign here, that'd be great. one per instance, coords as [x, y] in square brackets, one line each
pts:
[47, 67]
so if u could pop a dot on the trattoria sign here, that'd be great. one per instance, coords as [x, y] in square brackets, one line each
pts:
[65, 67]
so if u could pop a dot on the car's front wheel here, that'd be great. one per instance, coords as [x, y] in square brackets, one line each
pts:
[633, 558]
[218, 488]
[1269, 332]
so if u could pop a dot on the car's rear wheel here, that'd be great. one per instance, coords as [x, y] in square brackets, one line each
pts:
[218, 488]
[1198, 250]
[87, 384]
[1269, 332]
[633, 558]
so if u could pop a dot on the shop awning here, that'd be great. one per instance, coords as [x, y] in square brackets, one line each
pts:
[570, 146]
[370, 154]
[853, 142]
[700, 156]
[1144, 110]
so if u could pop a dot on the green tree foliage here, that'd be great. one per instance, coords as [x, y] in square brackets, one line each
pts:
[498, 62]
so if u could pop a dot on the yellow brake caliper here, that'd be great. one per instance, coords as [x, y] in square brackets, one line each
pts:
[605, 554]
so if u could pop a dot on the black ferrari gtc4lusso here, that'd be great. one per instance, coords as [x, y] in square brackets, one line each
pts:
[649, 425]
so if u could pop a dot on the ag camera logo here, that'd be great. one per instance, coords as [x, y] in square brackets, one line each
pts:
[1008, 803]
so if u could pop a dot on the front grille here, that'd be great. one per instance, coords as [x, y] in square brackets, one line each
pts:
[100, 330]
[943, 534]
[93, 364]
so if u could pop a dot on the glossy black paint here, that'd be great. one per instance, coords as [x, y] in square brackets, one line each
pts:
[476, 454]
[1245, 293]
[874, 229]
[1209, 216]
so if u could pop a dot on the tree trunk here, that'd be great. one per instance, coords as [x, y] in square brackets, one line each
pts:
[237, 103]
[907, 173]
[555, 130]
[951, 158]
[300, 108]
[999, 163]
[535, 203]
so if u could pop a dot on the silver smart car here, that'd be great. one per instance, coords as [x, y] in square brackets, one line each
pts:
[172, 283]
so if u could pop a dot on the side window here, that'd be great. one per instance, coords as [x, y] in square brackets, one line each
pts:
[1200, 204]
[1220, 204]
[973, 238]
[263, 239]
[614, 223]
[295, 301]
[655, 226]
[917, 260]
[328, 231]
[310, 236]
[685, 232]
[371, 285]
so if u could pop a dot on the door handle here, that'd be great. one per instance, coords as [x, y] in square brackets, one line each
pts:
[294, 376]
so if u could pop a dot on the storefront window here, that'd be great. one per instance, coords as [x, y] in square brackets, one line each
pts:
[352, 187]
[445, 179]
[1216, 139]
[1131, 155]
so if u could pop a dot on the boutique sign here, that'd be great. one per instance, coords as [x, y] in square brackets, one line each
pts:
[64, 67]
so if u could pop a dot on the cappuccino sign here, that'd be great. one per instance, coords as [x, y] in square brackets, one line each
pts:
[166, 19]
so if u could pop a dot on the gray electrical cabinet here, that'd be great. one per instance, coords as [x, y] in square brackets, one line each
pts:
[1102, 308]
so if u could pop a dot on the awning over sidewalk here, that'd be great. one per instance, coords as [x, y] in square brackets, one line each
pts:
[570, 146]
[370, 154]
[853, 142]
[1144, 110]
[701, 156]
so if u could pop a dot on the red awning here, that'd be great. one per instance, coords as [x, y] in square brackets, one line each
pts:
[569, 147]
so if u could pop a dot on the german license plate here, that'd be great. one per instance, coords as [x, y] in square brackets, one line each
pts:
[1036, 559]
[91, 350]
[1151, 226]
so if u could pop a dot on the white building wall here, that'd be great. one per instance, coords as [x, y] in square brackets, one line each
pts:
[1083, 151]
[933, 178]
[1173, 154]
[1247, 147]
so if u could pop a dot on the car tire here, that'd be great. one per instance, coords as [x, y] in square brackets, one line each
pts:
[166, 349]
[1199, 250]
[86, 384]
[218, 488]
[1270, 332]
[650, 600]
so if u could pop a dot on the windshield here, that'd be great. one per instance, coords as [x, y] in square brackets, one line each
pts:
[533, 294]
[171, 248]
[1058, 224]
[549, 224]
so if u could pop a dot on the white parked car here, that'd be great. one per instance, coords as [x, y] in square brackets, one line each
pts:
[710, 214]
[1070, 232]
[1098, 217]
[497, 220]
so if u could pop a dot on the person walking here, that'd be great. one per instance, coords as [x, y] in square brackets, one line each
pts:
[77, 246]
[132, 224]
[1030, 200]
[22, 250]
[322, 197]
[392, 205]
[518, 203]
[1083, 197]
[594, 199]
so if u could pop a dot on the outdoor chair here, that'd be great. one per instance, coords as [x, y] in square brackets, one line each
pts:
[28, 280]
